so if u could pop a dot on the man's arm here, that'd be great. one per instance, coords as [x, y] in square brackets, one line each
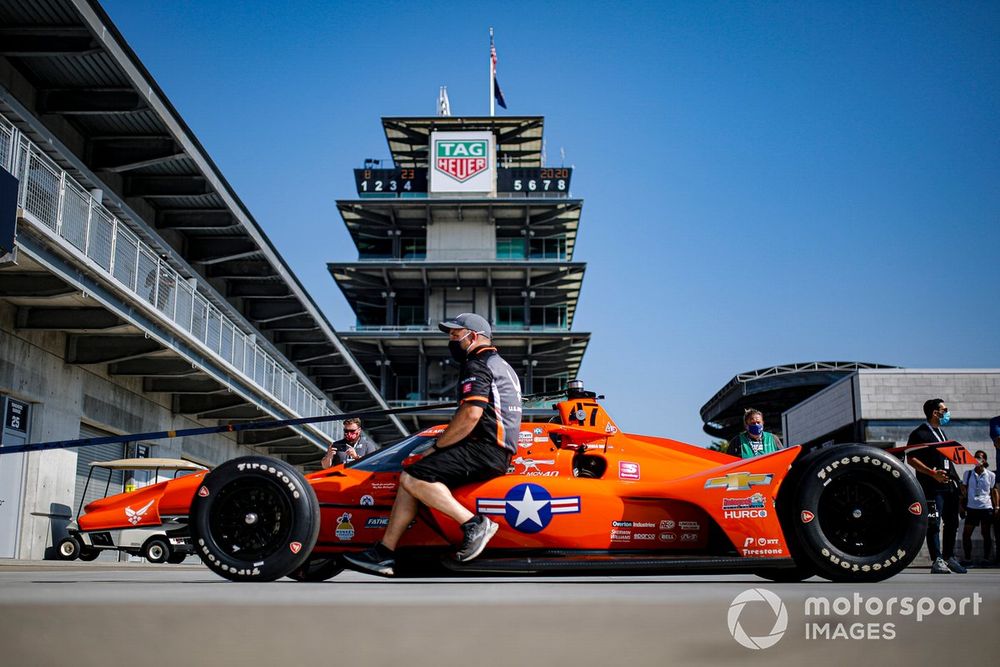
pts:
[921, 467]
[327, 461]
[461, 424]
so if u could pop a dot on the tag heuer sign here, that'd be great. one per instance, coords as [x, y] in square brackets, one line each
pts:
[462, 162]
[461, 159]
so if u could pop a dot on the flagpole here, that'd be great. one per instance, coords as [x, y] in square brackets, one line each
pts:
[492, 74]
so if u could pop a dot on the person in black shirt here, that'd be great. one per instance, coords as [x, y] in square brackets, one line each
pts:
[349, 448]
[939, 481]
[476, 446]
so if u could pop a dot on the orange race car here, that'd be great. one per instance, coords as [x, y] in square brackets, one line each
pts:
[581, 496]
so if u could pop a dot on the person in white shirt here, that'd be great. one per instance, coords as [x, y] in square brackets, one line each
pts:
[980, 503]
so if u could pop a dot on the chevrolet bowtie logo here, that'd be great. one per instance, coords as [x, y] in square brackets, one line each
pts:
[739, 481]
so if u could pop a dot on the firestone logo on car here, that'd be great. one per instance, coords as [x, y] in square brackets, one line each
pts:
[461, 159]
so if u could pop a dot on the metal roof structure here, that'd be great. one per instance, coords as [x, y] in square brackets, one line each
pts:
[70, 82]
[771, 390]
[371, 219]
[519, 138]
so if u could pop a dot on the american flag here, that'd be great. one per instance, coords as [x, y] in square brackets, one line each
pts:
[497, 93]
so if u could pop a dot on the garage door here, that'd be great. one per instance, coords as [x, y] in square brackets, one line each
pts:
[99, 481]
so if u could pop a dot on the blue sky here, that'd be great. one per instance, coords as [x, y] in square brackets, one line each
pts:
[764, 183]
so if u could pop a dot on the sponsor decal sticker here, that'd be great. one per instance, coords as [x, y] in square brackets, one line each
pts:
[135, 516]
[689, 525]
[755, 501]
[621, 535]
[528, 508]
[689, 537]
[645, 536]
[295, 547]
[628, 470]
[344, 530]
[807, 516]
[745, 514]
[739, 481]
[539, 430]
[916, 509]
[530, 467]
[610, 429]
[367, 501]
[524, 438]
[203, 492]
[667, 524]
[668, 537]
[467, 387]
[384, 486]
[377, 522]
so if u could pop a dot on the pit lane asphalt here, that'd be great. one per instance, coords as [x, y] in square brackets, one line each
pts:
[98, 614]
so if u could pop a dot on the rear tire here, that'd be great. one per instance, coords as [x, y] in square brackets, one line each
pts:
[89, 553]
[859, 514]
[254, 519]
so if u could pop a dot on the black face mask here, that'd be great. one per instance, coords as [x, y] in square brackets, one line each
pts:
[457, 353]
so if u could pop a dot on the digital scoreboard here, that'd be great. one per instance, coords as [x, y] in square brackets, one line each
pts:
[523, 180]
[390, 181]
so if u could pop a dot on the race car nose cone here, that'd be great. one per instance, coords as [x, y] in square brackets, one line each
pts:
[856, 514]
[250, 518]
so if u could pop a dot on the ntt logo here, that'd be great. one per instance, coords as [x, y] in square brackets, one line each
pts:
[739, 606]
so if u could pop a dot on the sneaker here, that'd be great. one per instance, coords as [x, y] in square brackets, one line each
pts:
[939, 566]
[377, 560]
[955, 566]
[478, 532]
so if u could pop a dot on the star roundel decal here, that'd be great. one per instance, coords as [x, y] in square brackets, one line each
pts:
[528, 508]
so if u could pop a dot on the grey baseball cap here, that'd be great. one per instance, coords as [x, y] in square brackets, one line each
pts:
[471, 321]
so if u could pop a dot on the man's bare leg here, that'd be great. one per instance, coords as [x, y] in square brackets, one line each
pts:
[403, 510]
[435, 495]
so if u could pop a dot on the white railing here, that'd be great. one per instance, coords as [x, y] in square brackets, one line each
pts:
[51, 198]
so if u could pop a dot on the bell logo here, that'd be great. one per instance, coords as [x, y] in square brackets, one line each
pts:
[461, 160]
[739, 481]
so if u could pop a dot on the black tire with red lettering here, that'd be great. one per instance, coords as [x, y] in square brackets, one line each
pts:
[254, 519]
[859, 514]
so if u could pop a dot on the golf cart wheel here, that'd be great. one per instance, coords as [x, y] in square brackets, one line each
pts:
[176, 558]
[68, 548]
[860, 514]
[786, 575]
[156, 550]
[254, 519]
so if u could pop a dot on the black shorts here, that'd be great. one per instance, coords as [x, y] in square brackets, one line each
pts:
[974, 517]
[462, 463]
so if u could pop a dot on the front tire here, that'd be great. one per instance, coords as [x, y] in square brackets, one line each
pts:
[254, 519]
[860, 514]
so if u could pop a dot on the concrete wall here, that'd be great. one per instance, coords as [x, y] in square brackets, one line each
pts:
[461, 241]
[62, 396]
[890, 403]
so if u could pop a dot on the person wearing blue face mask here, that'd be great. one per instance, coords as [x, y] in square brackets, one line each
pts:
[940, 482]
[754, 441]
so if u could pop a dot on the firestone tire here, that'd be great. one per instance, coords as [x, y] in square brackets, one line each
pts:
[156, 550]
[254, 519]
[317, 569]
[68, 548]
[860, 514]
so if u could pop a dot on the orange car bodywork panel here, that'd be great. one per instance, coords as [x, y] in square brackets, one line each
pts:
[655, 495]
[142, 507]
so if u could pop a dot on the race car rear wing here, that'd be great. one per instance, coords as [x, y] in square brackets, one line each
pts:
[954, 451]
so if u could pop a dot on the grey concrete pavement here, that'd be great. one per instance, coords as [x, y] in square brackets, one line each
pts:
[91, 614]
